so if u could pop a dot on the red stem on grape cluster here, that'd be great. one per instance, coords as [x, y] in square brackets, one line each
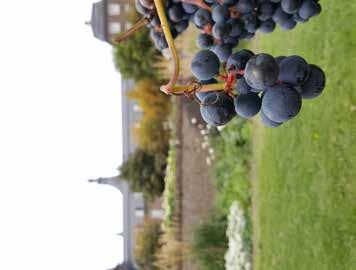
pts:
[207, 29]
[234, 13]
[136, 27]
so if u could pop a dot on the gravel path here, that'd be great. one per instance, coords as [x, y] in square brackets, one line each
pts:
[196, 190]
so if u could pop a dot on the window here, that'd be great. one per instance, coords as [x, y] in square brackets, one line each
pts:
[157, 213]
[136, 108]
[127, 7]
[114, 9]
[114, 28]
[139, 213]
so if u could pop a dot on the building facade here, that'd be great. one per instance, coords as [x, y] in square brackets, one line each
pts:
[110, 17]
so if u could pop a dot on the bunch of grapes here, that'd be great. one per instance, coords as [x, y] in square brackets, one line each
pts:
[178, 20]
[272, 87]
[224, 22]
[232, 20]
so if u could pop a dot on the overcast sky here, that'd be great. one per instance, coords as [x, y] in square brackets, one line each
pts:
[60, 125]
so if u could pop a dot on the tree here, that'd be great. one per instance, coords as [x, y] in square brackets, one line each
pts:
[145, 172]
[136, 57]
[153, 102]
[152, 133]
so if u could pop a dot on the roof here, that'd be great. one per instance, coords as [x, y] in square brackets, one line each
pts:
[98, 20]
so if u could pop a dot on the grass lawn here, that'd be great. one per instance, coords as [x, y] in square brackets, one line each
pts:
[306, 191]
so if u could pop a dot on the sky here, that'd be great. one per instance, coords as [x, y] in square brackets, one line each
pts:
[60, 125]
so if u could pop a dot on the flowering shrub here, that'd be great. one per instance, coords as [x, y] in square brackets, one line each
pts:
[238, 256]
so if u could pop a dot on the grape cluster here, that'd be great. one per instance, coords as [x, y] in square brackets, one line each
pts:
[177, 17]
[225, 22]
[233, 20]
[272, 87]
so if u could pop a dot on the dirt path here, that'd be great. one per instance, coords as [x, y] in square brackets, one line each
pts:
[196, 190]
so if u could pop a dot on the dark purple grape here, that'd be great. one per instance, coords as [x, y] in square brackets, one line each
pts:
[291, 6]
[315, 83]
[238, 60]
[220, 13]
[236, 27]
[287, 24]
[247, 105]
[175, 13]
[281, 103]
[265, 10]
[205, 41]
[229, 2]
[202, 17]
[293, 70]
[140, 8]
[217, 109]
[299, 19]
[245, 6]
[205, 65]
[181, 26]
[261, 71]
[309, 9]
[232, 41]
[267, 26]
[280, 15]
[268, 122]
[155, 21]
[251, 23]
[189, 8]
[223, 51]
[221, 30]
[242, 87]
[162, 43]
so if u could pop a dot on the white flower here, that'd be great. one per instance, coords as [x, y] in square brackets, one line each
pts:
[200, 126]
[193, 121]
[237, 256]
[208, 161]
[211, 150]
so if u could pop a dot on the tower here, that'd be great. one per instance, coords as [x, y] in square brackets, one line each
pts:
[133, 214]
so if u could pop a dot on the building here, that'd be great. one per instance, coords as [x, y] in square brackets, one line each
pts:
[133, 203]
[110, 17]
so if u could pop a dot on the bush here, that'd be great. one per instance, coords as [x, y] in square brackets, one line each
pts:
[231, 170]
[170, 254]
[146, 245]
[145, 172]
[210, 243]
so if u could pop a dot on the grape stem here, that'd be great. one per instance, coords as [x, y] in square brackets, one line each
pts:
[136, 27]
[167, 89]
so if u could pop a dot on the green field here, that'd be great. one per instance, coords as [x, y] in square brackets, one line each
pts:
[306, 169]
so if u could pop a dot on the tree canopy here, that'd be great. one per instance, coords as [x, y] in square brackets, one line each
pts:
[145, 172]
[136, 57]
